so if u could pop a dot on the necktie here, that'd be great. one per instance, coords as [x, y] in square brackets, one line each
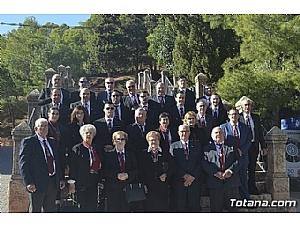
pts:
[161, 100]
[145, 108]
[249, 126]
[215, 113]
[134, 101]
[141, 129]
[55, 132]
[50, 158]
[186, 151]
[109, 98]
[222, 162]
[122, 162]
[202, 122]
[95, 162]
[117, 112]
[181, 113]
[236, 135]
[154, 155]
[109, 125]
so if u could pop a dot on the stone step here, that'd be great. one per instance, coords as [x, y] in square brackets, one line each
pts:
[261, 186]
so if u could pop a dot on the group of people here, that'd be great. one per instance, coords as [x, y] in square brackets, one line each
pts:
[173, 144]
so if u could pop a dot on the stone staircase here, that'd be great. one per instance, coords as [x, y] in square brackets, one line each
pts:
[263, 197]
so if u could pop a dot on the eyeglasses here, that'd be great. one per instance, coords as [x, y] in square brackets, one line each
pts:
[115, 95]
[132, 86]
[110, 108]
[83, 81]
[201, 105]
[109, 82]
[120, 139]
[184, 131]
[142, 96]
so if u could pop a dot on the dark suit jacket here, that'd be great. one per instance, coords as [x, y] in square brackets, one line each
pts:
[175, 119]
[190, 99]
[210, 124]
[103, 136]
[62, 143]
[33, 166]
[64, 113]
[73, 136]
[169, 102]
[192, 166]
[152, 115]
[222, 116]
[126, 100]
[95, 113]
[162, 142]
[245, 141]
[127, 115]
[211, 165]
[44, 97]
[136, 141]
[111, 168]
[80, 165]
[74, 96]
[258, 133]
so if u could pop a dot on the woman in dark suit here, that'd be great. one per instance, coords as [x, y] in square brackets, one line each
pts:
[78, 117]
[155, 169]
[197, 133]
[119, 169]
[85, 169]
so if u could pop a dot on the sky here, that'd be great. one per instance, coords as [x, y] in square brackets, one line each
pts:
[59, 19]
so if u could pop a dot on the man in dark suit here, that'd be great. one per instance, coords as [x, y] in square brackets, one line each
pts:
[146, 104]
[208, 90]
[221, 164]
[64, 111]
[257, 139]
[44, 97]
[40, 168]
[237, 134]
[190, 98]
[177, 112]
[122, 112]
[216, 110]
[82, 83]
[163, 102]
[206, 121]
[93, 109]
[104, 96]
[106, 126]
[187, 182]
[137, 132]
[131, 100]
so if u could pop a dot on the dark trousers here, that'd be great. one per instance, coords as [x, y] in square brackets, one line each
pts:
[220, 198]
[45, 200]
[88, 196]
[116, 201]
[244, 192]
[252, 154]
[187, 198]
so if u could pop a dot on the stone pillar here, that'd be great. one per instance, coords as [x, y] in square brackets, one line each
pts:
[62, 72]
[18, 198]
[140, 80]
[164, 75]
[200, 80]
[277, 181]
[34, 109]
[49, 73]
[146, 79]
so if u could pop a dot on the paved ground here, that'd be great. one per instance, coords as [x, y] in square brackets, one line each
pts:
[6, 160]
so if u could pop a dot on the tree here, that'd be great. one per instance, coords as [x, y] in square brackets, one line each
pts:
[268, 66]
